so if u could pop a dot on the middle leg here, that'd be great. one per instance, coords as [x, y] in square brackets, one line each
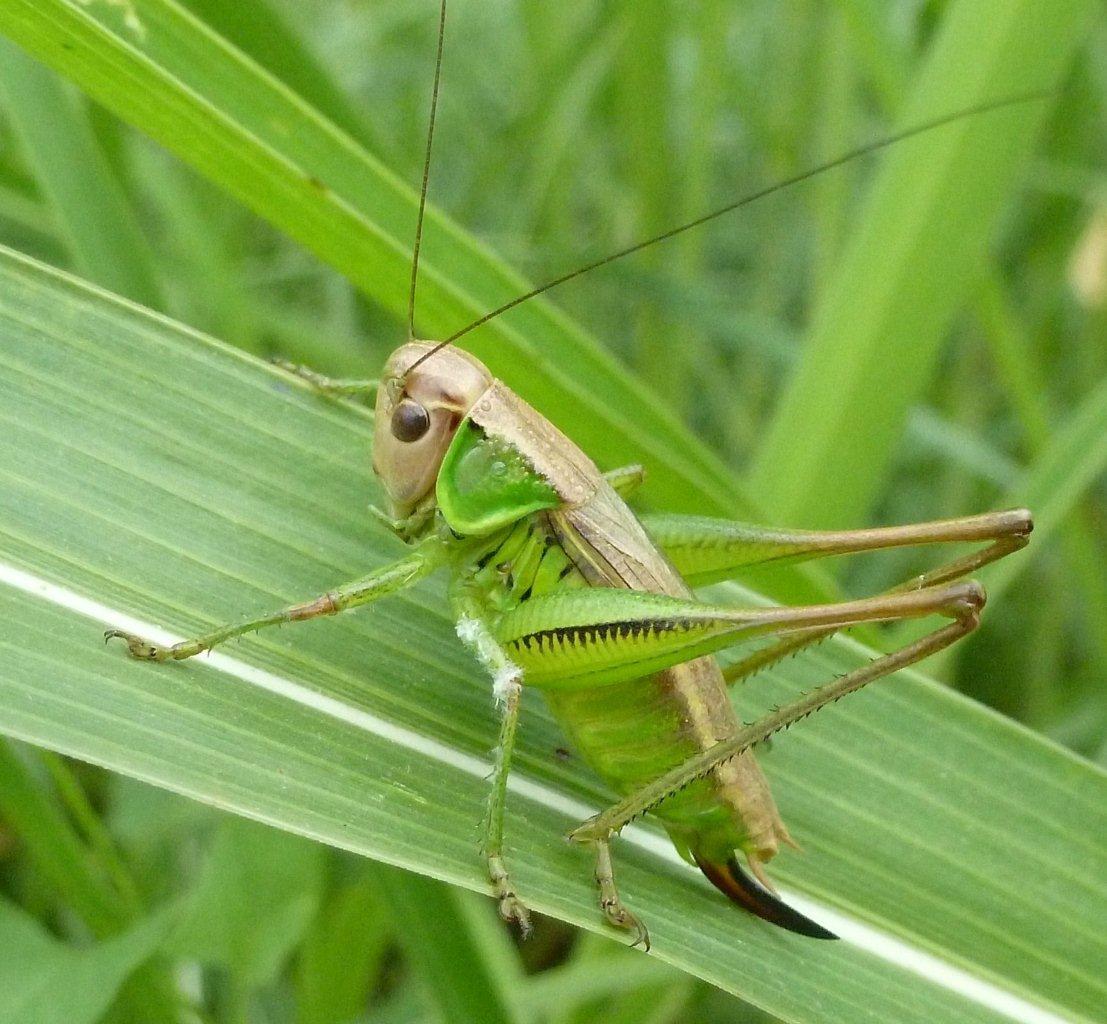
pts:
[507, 689]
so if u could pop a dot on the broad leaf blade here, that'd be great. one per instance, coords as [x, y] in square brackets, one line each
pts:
[165, 476]
[172, 77]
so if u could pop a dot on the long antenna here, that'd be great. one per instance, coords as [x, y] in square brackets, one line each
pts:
[426, 176]
[768, 190]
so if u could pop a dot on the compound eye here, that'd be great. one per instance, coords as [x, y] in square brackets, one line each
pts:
[410, 421]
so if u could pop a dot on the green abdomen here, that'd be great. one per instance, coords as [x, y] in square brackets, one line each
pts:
[630, 733]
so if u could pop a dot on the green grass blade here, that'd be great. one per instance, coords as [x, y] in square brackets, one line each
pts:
[55, 849]
[87, 200]
[341, 958]
[88, 880]
[597, 974]
[281, 52]
[161, 475]
[457, 974]
[1074, 458]
[256, 893]
[911, 262]
[24, 212]
[1046, 479]
[43, 981]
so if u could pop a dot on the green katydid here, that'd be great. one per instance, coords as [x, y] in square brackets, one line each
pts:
[557, 584]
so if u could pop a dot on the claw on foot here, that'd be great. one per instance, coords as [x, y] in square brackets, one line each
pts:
[610, 903]
[142, 649]
[511, 907]
[620, 917]
[513, 911]
[137, 647]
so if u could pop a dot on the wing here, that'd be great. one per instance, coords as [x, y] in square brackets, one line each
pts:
[608, 544]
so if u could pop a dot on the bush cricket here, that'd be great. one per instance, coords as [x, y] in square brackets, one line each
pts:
[556, 584]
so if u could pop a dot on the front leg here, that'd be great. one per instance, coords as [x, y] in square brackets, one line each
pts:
[331, 386]
[386, 580]
[507, 688]
[408, 528]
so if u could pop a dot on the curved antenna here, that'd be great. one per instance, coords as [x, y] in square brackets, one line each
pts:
[426, 176]
[746, 200]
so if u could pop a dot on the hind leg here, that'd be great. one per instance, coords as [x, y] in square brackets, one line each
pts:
[948, 572]
[610, 902]
[965, 611]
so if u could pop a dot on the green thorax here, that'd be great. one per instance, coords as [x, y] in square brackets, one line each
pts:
[485, 483]
[520, 562]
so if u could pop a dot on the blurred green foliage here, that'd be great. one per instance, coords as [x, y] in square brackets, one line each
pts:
[567, 131]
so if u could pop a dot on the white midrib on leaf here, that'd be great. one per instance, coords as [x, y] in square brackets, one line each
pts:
[873, 941]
